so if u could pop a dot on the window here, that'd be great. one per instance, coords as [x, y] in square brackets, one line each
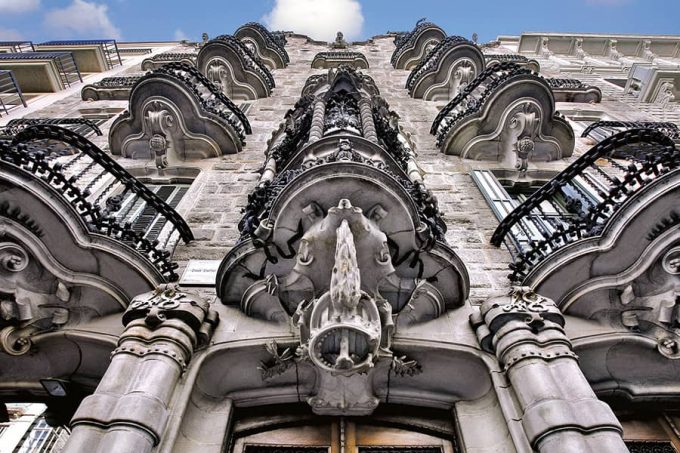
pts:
[145, 219]
[42, 438]
[504, 194]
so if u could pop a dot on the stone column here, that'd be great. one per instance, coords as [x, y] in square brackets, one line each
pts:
[316, 128]
[367, 123]
[129, 410]
[560, 412]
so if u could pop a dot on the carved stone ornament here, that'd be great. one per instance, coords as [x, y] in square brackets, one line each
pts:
[176, 115]
[492, 118]
[168, 302]
[241, 75]
[327, 60]
[413, 47]
[340, 295]
[448, 68]
[263, 44]
[521, 304]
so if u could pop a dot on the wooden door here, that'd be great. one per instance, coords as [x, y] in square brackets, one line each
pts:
[285, 431]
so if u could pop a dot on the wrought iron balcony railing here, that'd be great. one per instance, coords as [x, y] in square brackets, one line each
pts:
[593, 189]
[404, 41]
[79, 125]
[670, 129]
[10, 92]
[431, 60]
[276, 42]
[210, 96]
[250, 61]
[96, 186]
[472, 97]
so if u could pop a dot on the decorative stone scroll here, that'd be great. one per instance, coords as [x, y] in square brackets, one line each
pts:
[506, 114]
[176, 115]
[265, 45]
[235, 69]
[573, 90]
[110, 88]
[448, 68]
[520, 60]
[412, 47]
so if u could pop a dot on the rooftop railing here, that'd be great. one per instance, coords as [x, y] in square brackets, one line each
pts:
[10, 92]
[17, 46]
[66, 65]
[109, 46]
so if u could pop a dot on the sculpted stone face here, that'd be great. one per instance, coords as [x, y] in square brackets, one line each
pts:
[316, 253]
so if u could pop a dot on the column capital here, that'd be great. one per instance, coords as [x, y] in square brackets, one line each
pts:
[522, 305]
[169, 302]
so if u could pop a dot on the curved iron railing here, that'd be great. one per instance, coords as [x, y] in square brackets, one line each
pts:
[404, 41]
[472, 97]
[95, 185]
[669, 129]
[16, 125]
[275, 44]
[431, 61]
[592, 189]
[207, 94]
[249, 60]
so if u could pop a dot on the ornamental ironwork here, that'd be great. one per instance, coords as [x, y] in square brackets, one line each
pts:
[76, 179]
[593, 188]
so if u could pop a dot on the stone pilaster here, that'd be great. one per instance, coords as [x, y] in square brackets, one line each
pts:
[316, 128]
[560, 412]
[367, 123]
[129, 410]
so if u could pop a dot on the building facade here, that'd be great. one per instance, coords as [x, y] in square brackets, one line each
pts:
[263, 243]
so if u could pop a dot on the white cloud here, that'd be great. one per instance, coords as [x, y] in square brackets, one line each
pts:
[83, 19]
[319, 19]
[18, 6]
[181, 36]
[9, 34]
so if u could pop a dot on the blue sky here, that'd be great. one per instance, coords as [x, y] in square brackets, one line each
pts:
[133, 20]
